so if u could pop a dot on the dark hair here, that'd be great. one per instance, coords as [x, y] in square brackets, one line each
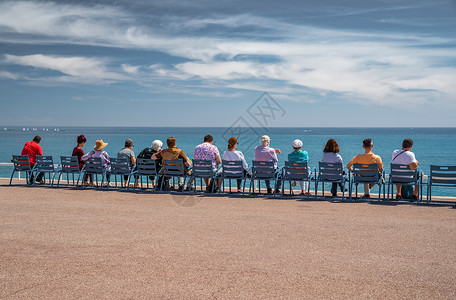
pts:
[37, 139]
[81, 139]
[407, 143]
[208, 138]
[128, 143]
[367, 143]
[331, 146]
[171, 142]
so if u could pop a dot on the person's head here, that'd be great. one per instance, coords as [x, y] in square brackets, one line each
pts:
[81, 139]
[99, 145]
[171, 142]
[407, 143]
[297, 144]
[368, 144]
[265, 140]
[157, 145]
[208, 139]
[128, 143]
[232, 142]
[331, 146]
[37, 139]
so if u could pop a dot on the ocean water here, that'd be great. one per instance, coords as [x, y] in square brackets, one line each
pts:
[431, 145]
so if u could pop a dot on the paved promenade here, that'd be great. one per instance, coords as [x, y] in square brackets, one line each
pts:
[89, 244]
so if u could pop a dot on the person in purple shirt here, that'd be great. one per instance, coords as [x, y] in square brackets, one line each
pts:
[266, 153]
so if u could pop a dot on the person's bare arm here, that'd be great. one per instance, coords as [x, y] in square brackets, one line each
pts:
[133, 160]
[414, 165]
[154, 157]
[218, 160]
[277, 151]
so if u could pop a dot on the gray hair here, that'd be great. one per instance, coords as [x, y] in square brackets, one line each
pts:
[265, 140]
[157, 145]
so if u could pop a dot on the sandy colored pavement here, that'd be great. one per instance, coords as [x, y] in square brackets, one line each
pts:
[89, 244]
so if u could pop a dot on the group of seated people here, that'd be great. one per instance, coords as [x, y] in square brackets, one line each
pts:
[208, 151]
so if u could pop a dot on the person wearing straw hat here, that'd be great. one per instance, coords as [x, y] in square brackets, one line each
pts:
[98, 152]
[299, 156]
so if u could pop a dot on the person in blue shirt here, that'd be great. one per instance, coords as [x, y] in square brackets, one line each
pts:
[301, 156]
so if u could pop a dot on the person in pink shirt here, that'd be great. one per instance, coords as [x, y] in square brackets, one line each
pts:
[266, 153]
[207, 151]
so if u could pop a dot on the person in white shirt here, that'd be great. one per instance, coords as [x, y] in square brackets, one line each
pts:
[405, 156]
[234, 155]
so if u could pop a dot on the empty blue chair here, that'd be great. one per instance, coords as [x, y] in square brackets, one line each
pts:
[21, 163]
[443, 176]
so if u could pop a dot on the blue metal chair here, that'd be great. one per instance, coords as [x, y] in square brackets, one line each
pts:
[146, 168]
[202, 169]
[402, 174]
[21, 164]
[262, 170]
[94, 166]
[443, 176]
[330, 173]
[366, 174]
[44, 164]
[295, 171]
[69, 166]
[232, 170]
[173, 169]
[119, 167]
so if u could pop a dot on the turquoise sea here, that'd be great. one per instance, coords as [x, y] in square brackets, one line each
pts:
[431, 145]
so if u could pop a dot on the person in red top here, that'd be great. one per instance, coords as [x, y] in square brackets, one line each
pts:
[32, 149]
[77, 151]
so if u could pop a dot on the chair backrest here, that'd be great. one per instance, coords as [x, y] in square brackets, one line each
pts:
[94, 165]
[202, 168]
[443, 175]
[232, 168]
[402, 174]
[365, 173]
[263, 169]
[44, 163]
[21, 163]
[296, 170]
[174, 167]
[69, 164]
[146, 167]
[119, 165]
[330, 171]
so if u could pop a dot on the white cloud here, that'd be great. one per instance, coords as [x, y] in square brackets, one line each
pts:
[381, 67]
[8, 75]
[130, 69]
[76, 68]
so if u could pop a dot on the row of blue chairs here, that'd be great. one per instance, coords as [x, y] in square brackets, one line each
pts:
[233, 170]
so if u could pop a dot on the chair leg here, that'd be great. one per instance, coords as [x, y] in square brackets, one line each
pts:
[11, 179]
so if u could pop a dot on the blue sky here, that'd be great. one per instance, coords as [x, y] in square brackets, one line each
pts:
[203, 63]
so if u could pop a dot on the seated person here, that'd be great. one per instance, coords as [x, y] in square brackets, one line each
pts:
[299, 156]
[368, 157]
[331, 155]
[32, 149]
[147, 153]
[98, 152]
[207, 151]
[127, 152]
[266, 153]
[234, 155]
[173, 153]
[405, 156]
[77, 151]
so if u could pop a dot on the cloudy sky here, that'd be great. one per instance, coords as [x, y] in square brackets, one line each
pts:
[204, 62]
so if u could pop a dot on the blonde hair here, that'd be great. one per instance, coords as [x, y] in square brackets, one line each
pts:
[265, 140]
[157, 144]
